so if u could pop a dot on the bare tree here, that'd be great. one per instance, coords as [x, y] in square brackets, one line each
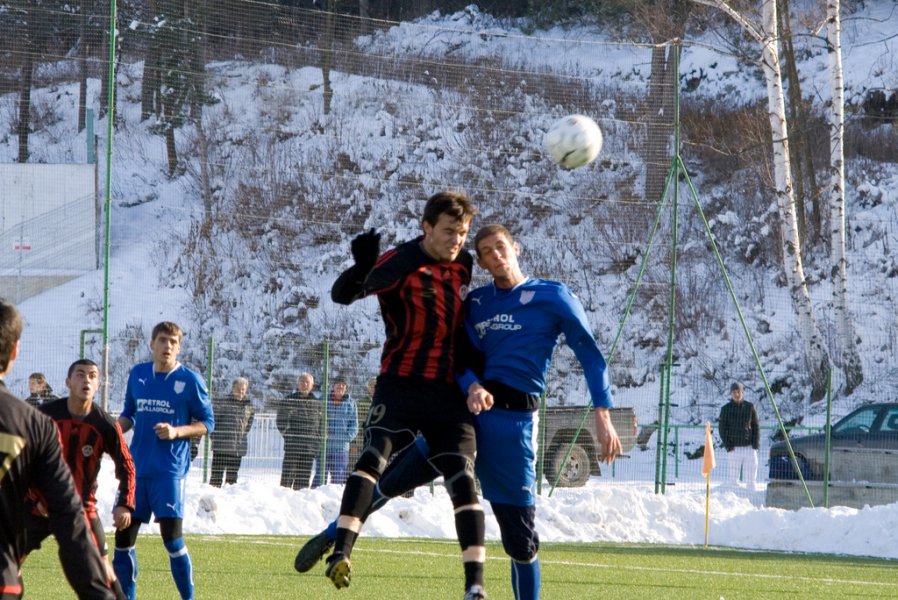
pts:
[765, 32]
[23, 129]
[664, 21]
[851, 360]
[198, 72]
[327, 55]
[150, 90]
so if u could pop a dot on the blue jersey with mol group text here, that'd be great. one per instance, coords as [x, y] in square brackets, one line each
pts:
[178, 397]
[517, 330]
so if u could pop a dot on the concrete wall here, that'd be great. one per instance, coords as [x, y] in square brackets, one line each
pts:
[48, 226]
[791, 494]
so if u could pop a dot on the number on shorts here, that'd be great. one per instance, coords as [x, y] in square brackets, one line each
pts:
[376, 414]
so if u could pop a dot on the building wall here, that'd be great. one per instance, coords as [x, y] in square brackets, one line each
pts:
[49, 231]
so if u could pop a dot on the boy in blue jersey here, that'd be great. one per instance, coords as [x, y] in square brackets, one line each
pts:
[166, 404]
[515, 322]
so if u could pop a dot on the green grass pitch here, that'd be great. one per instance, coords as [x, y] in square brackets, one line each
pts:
[245, 567]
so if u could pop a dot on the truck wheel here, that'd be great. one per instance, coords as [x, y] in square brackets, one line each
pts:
[575, 472]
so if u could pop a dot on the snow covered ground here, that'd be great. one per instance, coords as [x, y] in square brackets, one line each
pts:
[598, 512]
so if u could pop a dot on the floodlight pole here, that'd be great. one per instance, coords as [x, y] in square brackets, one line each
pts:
[675, 173]
[110, 126]
[664, 420]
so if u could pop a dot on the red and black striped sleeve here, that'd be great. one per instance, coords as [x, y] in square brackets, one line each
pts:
[118, 451]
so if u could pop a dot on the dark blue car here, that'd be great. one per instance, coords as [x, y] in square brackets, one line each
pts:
[864, 447]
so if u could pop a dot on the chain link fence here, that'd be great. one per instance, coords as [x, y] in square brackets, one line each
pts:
[252, 140]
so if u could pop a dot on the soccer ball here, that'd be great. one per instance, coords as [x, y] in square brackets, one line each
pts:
[574, 141]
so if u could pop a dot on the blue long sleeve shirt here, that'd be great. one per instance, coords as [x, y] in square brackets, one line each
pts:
[517, 330]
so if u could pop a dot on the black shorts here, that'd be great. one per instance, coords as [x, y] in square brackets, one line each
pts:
[404, 406]
[37, 529]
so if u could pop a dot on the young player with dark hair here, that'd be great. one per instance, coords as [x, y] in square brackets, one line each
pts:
[515, 323]
[31, 458]
[166, 403]
[420, 286]
[87, 433]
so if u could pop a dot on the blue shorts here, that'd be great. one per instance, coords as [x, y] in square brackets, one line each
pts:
[163, 498]
[506, 455]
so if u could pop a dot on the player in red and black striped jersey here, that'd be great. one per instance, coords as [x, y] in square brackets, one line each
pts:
[421, 286]
[87, 433]
[421, 304]
[30, 458]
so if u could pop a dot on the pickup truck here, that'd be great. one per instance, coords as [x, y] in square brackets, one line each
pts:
[558, 425]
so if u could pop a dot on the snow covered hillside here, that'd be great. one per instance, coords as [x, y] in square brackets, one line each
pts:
[462, 100]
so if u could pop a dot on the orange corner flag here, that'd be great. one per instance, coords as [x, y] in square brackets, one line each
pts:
[708, 463]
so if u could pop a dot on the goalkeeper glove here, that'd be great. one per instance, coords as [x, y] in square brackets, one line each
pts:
[366, 249]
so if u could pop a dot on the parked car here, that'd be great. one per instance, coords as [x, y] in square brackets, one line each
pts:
[863, 447]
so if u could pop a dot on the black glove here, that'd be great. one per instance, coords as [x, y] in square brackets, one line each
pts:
[366, 249]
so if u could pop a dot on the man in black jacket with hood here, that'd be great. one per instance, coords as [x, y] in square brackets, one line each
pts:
[741, 435]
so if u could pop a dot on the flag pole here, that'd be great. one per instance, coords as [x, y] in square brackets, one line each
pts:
[708, 464]
[707, 505]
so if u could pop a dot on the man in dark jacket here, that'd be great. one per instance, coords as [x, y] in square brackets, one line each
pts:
[299, 421]
[233, 419]
[40, 390]
[741, 435]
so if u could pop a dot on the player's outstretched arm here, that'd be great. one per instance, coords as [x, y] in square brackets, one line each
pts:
[607, 436]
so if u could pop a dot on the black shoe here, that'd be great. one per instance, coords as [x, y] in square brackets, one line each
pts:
[311, 552]
[339, 570]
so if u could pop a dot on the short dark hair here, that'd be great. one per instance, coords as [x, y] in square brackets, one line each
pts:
[488, 230]
[11, 326]
[454, 203]
[167, 327]
[81, 361]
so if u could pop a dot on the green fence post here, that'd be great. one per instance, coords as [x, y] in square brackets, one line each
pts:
[210, 359]
[325, 391]
[826, 449]
[658, 443]
[665, 426]
[89, 136]
[676, 429]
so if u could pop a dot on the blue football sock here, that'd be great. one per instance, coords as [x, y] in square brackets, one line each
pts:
[525, 579]
[124, 563]
[377, 501]
[181, 567]
[331, 531]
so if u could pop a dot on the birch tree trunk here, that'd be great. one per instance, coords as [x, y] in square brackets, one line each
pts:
[851, 360]
[815, 353]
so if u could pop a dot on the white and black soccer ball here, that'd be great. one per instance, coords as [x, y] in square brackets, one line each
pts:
[573, 141]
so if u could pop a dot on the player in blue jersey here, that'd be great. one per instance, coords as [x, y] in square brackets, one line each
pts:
[166, 404]
[515, 322]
